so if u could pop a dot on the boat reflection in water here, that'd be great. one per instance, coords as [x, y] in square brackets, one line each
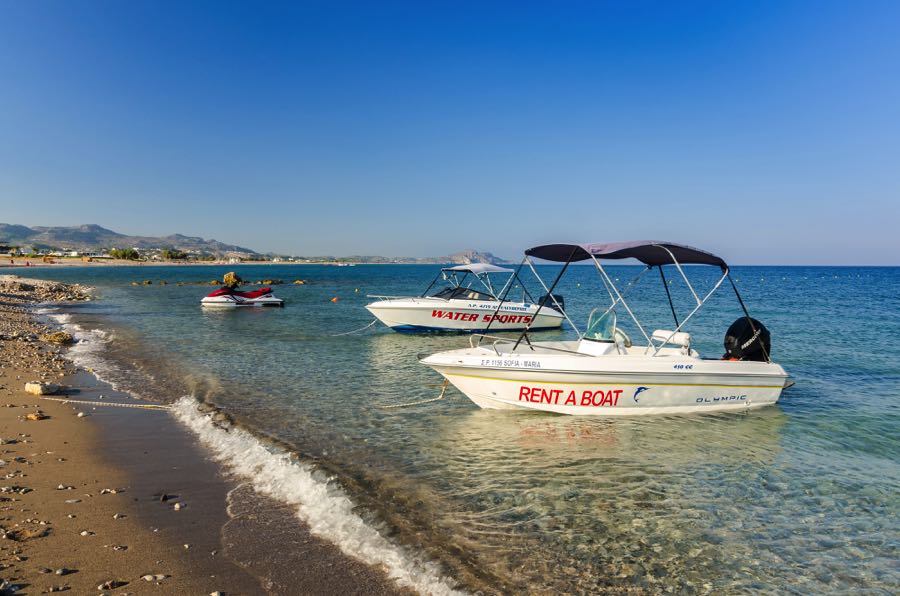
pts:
[551, 441]
[579, 504]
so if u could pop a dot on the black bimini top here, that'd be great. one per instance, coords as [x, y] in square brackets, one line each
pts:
[649, 252]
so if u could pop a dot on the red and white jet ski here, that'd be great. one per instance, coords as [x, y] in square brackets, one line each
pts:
[229, 298]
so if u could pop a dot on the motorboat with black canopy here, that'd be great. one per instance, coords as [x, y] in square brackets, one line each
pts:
[467, 301]
[603, 372]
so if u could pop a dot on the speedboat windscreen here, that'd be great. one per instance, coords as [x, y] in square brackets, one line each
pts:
[479, 268]
[601, 326]
[460, 293]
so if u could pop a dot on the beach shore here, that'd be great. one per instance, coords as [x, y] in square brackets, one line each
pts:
[35, 263]
[56, 262]
[106, 499]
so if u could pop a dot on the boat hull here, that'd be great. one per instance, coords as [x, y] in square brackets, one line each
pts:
[614, 387]
[466, 316]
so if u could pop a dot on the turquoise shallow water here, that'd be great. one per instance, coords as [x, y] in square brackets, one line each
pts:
[803, 496]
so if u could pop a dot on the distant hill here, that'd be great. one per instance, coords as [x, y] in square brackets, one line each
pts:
[90, 237]
[467, 257]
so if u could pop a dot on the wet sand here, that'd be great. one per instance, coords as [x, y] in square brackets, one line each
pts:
[125, 500]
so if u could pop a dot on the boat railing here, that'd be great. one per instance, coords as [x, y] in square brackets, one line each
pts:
[494, 340]
[380, 297]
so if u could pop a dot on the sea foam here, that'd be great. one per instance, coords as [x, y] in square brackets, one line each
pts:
[318, 502]
[88, 351]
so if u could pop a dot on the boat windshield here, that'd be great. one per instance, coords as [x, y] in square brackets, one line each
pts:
[459, 293]
[601, 326]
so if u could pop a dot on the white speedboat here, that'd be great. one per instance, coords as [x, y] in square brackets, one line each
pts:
[463, 308]
[602, 372]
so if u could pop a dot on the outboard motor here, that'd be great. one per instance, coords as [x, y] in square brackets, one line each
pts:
[743, 343]
[546, 300]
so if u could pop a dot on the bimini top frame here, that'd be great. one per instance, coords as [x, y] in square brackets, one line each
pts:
[650, 253]
[480, 272]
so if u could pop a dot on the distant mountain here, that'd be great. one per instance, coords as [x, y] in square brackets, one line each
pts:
[467, 257]
[90, 237]
[9, 232]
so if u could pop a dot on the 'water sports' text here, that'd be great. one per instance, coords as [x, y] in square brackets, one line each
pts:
[474, 316]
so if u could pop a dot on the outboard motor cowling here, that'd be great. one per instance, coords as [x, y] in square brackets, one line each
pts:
[546, 300]
[748, 339]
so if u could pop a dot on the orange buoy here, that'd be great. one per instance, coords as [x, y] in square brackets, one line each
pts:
[335, 299]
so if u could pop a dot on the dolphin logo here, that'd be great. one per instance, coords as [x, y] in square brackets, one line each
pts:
[637, 392]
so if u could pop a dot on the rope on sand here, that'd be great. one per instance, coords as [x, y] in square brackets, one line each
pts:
[110, 404]
[418, 403]
[356, 330]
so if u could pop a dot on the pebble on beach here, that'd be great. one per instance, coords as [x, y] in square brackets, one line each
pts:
[39, 388]
[154, 577]
[58, 337]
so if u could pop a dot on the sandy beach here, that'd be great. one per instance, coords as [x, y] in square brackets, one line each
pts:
[123, 500]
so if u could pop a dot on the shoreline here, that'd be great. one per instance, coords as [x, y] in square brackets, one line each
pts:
[109, 528]
[72, 262]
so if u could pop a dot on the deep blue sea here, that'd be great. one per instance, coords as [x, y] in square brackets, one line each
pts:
[799, 497]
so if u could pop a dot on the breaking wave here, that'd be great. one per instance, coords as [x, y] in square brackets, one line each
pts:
[318, 502]
[87, 351]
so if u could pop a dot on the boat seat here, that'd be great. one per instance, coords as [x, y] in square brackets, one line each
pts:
[679, 339]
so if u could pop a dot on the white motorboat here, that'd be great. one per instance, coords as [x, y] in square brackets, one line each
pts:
[461, 307]
[602, 372]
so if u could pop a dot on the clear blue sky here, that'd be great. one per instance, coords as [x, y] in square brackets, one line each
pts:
[766, 131]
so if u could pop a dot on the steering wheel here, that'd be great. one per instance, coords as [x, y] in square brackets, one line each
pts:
[621, 335]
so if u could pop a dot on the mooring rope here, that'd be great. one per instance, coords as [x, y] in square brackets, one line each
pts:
[418, 403]
[356, 330]
[111, 404]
